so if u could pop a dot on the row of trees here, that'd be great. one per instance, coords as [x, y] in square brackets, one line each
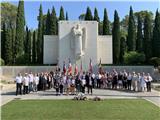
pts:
[19, 45]
[136, 35]
[142, 40]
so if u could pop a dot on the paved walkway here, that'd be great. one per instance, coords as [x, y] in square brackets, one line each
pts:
[153, 96]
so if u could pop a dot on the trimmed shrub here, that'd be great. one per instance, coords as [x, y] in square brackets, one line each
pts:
[155, 61]
[134, 58]
[2, 62]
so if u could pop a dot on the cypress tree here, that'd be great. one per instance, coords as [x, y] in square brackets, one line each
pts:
[139, 42]
[66, 16]
[122, 49]
[53, 25]
[8, 47]
[147, 38]
[131, 38]
[156, 36]
[13, 41]
[88, 15]
[20, 23]
[116, 38]
[40, 37]
[29, 47]
[3, 39]
[61, 15]
[34, 48]
[48, 19]
[105, 23]
[96, 18]
[26, 47]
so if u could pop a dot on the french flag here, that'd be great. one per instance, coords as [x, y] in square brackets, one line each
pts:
[70, 67]
[76, 70]
[64, 67]
[90, 66]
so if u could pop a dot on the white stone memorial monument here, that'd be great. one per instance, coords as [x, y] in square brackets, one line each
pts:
[78, 41]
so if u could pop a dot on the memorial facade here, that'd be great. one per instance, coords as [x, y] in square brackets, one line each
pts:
[78, 41]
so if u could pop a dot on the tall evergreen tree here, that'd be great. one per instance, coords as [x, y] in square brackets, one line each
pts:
[53, 21]
[26, 48]
[34, 48]
[20, 23]
[139, 42]
[116, 38]
[40, 37]
[13, 44]
[61, 15]
[48, 23]
[66, 16]
[131, 38]
[3, 39]
[105, 23]
[29, 47]
[88, 15]
[96, 18]
[122, 49]
[147, 38]
[8, 47]
[156, 36]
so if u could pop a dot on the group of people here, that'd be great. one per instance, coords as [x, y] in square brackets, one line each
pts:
[82, 82]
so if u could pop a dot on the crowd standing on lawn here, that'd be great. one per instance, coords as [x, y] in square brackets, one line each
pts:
[64, 82]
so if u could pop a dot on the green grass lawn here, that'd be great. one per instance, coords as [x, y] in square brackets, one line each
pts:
[121, 109]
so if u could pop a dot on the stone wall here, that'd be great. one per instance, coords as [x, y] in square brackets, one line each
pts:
[50, 50]
[12, 71]
[104, 49]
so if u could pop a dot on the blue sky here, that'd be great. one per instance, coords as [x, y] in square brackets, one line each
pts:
[74, 9]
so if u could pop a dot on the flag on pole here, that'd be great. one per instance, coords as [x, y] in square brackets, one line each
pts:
[64, 67]
[100, 66]
[81, 70]
[76, 69]
[70, 67]
[90, 66]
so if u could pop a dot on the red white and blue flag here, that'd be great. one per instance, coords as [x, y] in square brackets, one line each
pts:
[64, 67]
[90, 66]
[70, 67]
[76, 69]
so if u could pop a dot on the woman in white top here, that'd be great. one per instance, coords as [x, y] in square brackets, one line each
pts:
[143, 82]
[139, 82]
[134, 81]
[35, 82]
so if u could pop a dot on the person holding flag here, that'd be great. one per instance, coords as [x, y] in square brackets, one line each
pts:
[90, 66]
[69, 67]
[64, 67]
[76, 70]
[100, 67]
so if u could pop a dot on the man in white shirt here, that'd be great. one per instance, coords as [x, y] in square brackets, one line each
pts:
[83, 82]
[25, 83]
[148, 82]
[19, 84]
